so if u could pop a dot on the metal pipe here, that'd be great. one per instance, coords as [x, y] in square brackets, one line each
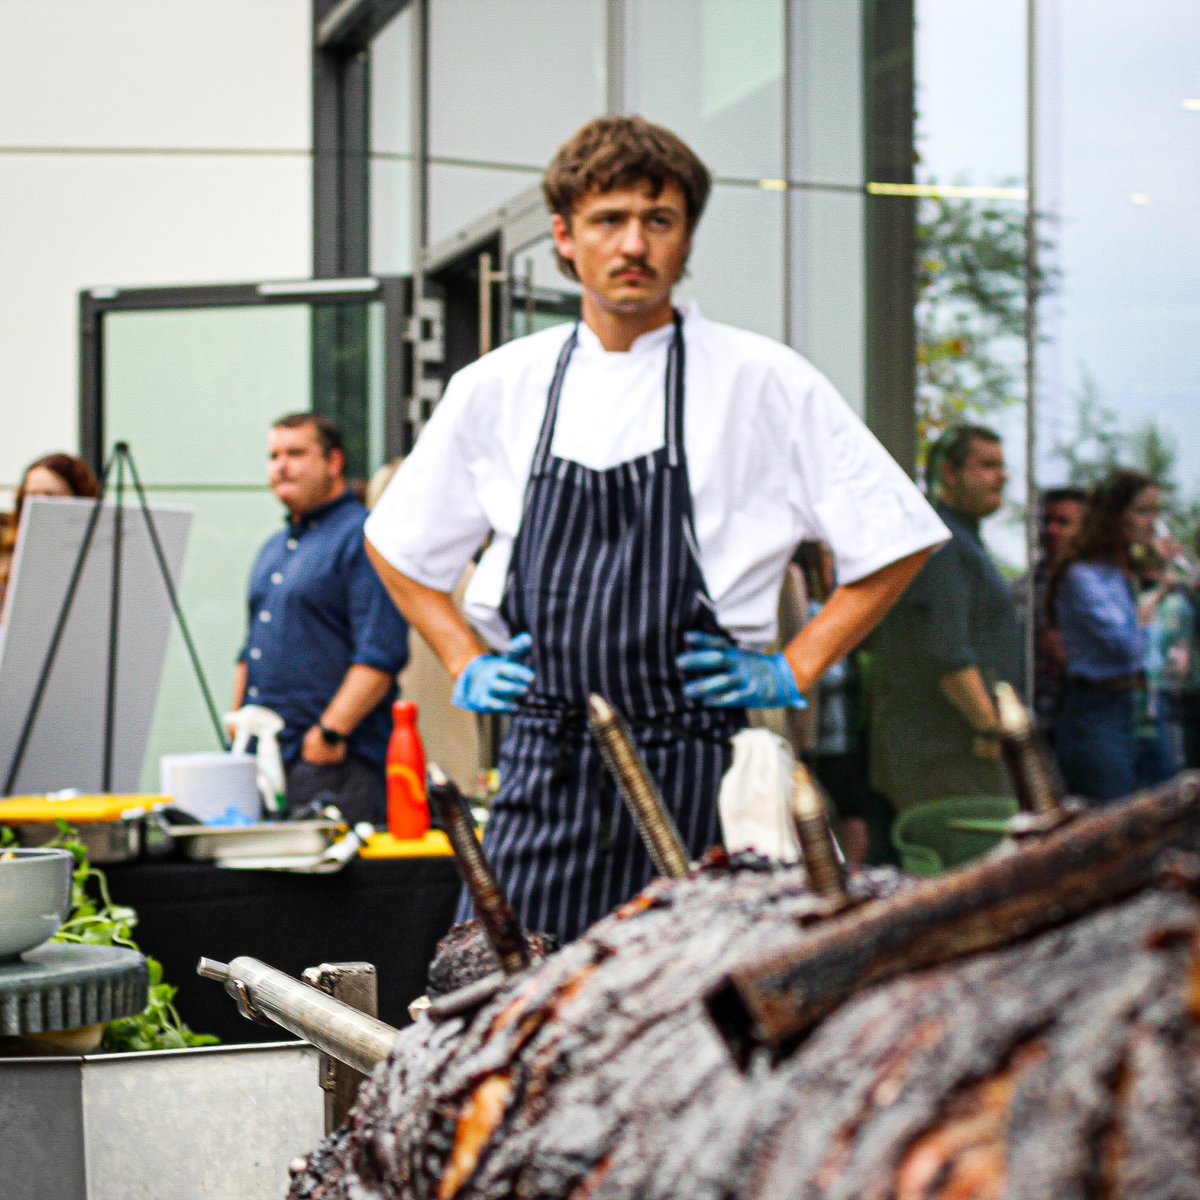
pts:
[641, 795]
[825, 874]
[495, 914]
[342, 1032]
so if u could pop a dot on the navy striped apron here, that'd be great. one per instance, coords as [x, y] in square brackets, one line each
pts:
[605, 575]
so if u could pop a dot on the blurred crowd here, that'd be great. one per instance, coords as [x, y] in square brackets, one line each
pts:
[1110, 603]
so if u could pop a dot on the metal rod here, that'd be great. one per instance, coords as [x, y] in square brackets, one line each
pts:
[344, 1033]
[495, 914]
[1035, 776]
[643, 798]
[825, 874]
[114, 620]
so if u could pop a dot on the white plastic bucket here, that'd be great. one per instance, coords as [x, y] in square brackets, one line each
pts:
[209, 783]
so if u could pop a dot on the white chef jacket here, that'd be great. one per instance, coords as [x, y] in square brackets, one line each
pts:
[774, 456]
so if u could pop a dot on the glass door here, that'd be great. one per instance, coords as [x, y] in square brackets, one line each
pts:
[191, 380]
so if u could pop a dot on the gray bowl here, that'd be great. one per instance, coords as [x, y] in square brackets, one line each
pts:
[35, 898]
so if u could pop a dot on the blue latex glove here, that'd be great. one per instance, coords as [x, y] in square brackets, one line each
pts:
[494, 682]
[728, 677]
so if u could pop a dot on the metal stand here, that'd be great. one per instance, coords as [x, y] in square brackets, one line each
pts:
[119, 459]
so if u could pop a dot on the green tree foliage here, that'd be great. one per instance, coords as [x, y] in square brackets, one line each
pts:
[970, 280]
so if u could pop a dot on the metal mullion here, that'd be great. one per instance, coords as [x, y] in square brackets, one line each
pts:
[1032, 296]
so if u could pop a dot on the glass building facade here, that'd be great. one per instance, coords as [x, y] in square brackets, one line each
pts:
[972, 211]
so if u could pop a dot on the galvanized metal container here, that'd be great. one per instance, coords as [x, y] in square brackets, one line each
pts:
[220, 1121]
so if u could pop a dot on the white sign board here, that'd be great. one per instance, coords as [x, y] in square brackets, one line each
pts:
[65, 748]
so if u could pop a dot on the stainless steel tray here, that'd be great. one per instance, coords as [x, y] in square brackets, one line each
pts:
[106, 841]
[267, 840]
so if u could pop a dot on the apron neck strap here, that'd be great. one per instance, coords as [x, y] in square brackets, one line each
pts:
[672, 389]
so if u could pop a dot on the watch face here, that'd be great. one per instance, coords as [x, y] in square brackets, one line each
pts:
[331, 736]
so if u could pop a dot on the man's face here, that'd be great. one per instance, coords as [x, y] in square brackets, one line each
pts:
[628, 247]
[977, 487]
[1059, 521]
[299, 471]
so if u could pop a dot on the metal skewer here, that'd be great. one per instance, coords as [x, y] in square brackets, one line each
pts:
[1039, 787]
[491, 905]
[825, 873]
[643, 798]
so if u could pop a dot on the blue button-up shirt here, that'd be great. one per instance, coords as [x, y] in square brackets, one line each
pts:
[316, 607]
[1097, 617]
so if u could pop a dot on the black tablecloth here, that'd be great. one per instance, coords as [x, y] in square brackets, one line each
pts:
[389, 912]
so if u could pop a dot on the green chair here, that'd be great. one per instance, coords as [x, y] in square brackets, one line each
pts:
[940, 834]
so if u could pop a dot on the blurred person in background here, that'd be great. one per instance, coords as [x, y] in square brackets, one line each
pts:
[952, 636]
[1093, 599]
[1061, 509]
[58, 474]
[325, 642]
[1160, 739]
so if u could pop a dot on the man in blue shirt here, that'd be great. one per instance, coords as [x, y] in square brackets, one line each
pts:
[325, 642]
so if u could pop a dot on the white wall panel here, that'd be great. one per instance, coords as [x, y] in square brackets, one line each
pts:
[78, 221]
[167, 73]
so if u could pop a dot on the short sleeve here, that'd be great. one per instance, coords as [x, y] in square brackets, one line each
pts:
[429, 521]
[848, 491]
[379, 634]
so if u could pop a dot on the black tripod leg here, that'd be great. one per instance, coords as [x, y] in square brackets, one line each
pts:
[39, 690]
[176, 607]
[114, 620]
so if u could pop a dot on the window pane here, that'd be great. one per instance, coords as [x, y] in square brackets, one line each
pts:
[391, 87]
[194, 391]
[510, 80]
[460, 195]
[736, 269]
[712, 71]
[970, 68]
[1119, 370]
[828, 287]
[827, 91]
[970, 259]
[391, 217]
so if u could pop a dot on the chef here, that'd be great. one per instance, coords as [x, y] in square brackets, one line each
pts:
[641, 479]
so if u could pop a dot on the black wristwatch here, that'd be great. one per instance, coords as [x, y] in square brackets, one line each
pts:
[330, 737]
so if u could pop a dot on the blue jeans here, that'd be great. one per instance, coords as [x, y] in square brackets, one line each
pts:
[1101, 756]
[1095, 743]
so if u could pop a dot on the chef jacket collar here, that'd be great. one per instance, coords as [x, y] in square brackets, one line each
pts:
[648, 343]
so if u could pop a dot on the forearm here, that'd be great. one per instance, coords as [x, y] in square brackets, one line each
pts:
[966, 691]
[239, 687]
[432, 614]
[847, 617]
[360, 693]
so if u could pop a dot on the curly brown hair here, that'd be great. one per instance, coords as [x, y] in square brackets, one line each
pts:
[620, 152]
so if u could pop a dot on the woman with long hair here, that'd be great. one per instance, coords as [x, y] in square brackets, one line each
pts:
[1093, 599]
[52, 475]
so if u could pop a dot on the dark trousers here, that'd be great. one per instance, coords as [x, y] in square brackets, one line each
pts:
[1101, 756]
[354, 785]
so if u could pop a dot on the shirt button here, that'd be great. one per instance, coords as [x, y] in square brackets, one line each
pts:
[264, 615]
[277, 577]
[291, 543]
[256, 653]
[253, 691]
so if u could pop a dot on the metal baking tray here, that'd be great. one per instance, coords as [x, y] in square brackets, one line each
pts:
[107, 842]
[266, 840]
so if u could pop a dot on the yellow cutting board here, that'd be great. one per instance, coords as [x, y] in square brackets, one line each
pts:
[383, 845]
[75, 810]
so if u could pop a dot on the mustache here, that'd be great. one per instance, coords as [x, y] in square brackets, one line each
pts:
[635, 264]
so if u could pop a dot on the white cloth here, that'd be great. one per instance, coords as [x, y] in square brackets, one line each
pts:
[753, 801]
[774, 456]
